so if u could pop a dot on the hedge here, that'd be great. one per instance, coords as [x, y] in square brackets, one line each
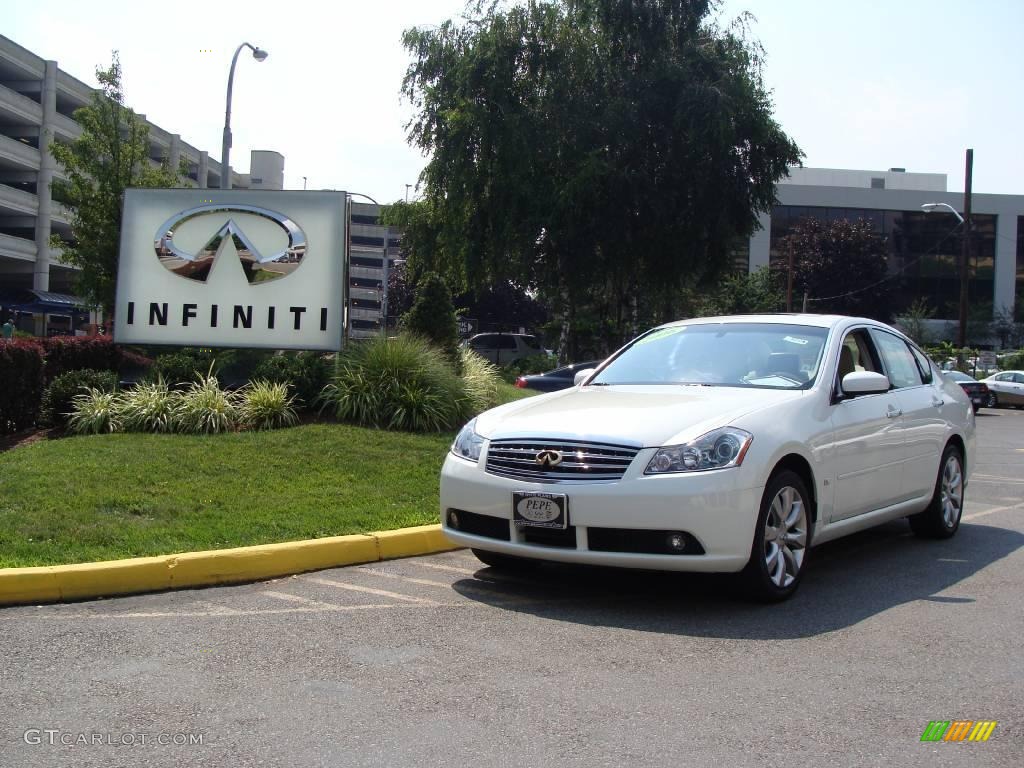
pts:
[28, 365]
[21, 383]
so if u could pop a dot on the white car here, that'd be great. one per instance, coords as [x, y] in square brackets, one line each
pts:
[1005, 388]
[506, 348]
[725, 444]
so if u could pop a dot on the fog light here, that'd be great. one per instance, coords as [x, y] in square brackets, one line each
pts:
[676, 542]
[453, 519]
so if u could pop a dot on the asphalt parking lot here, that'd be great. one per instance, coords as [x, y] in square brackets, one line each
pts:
[440, 661]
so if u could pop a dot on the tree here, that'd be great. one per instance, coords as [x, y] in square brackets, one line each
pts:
[842, 265]
[111, 155]
[603, 153]
[757, 292]
[433, 316]
[400, 290]
[913, 321]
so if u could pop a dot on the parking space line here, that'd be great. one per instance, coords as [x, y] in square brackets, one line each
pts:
[296, 599]
[407, 579]
[371, 591]
[997, 479]
[976, 515]
[438, 566]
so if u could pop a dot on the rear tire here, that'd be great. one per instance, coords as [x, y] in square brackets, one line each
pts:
[993, 401]
[782, 538]
[504, 562]
[942, 517]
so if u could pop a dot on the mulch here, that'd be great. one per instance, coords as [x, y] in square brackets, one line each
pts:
[27, 437]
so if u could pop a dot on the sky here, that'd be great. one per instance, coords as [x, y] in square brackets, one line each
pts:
[870, 84]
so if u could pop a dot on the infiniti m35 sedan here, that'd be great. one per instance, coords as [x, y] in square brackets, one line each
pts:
[724, 444]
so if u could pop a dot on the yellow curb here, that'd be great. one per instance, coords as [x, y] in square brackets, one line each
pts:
[50, 584]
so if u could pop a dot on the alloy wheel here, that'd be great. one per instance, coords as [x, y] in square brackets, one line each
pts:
[785, 536]
[952, 491]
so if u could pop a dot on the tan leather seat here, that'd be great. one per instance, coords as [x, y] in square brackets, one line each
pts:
[846, 364]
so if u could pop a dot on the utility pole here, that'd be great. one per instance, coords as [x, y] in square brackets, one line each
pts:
[407, 192]
[965, 250]
[789, 283]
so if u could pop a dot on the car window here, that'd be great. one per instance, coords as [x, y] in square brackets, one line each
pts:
[531, 342]
[899, 363]
[1018, 378]
[770, 355]
[857, 354]
[482, 342]
[506, 342]
[924, 365]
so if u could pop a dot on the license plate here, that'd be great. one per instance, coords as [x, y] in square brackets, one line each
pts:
[536, 509]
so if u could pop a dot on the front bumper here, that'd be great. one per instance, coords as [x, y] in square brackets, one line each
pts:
[713, 507]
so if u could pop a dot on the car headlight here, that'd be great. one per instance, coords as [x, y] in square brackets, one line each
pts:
[719, 449]
[468, 443]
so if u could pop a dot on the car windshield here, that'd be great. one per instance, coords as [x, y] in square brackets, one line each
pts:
[765, 355]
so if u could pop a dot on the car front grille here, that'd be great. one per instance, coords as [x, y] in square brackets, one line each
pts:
[579, 461]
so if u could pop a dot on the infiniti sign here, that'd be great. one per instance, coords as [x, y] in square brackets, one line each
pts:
[232, 268]
[259, 266]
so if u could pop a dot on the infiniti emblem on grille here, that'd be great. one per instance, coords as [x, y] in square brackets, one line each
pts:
[549, 458]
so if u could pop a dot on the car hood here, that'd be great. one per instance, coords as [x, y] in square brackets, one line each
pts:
[644, 416]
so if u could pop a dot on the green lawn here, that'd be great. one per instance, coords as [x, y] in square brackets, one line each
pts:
[103, 497]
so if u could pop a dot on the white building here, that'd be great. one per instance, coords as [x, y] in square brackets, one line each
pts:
[923, 253]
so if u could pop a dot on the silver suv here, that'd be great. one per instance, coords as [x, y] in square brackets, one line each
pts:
[505, 348]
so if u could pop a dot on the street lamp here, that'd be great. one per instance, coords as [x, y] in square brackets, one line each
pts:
[225, 155]
[964, 261]
[929, 207]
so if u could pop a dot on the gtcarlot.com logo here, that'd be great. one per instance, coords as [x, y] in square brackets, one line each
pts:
[56, 737]
[958, 730]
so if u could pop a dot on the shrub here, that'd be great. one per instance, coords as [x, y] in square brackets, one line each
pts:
[148, 407]
[179, 369]
[433, 316]
[306, 372]
[1013, 362]
[266, 405]
[481, 378]
[205, 408]
[400, 383]
[71, 353]
[21, 383]
[527, 365]
[94, 412]
[58, 396]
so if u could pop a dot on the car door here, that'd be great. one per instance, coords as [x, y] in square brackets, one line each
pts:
[1018, 389]
[867, 445]
[922, 403]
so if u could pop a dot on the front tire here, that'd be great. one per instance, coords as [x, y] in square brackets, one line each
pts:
[993, 401]
[942, 517]
[782, 538]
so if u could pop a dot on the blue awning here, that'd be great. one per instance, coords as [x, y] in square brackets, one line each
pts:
[44, 302]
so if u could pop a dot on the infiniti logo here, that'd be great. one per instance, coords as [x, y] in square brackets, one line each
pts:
[549, 458]
[259, 267]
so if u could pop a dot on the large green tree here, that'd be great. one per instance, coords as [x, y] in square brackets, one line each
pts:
[841, 264]
[111, 155]
[597, 151]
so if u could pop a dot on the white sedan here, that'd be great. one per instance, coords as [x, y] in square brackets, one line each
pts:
[725, 444]
[1005, 388]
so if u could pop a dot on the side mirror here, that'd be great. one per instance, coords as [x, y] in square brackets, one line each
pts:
[865, 383]
[582, 376]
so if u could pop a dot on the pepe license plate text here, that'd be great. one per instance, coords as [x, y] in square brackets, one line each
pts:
[539, 510]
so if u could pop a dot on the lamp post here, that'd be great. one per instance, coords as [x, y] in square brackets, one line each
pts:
[965, 249]
[225, 154]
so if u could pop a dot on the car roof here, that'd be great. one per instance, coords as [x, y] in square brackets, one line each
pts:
[794, 318]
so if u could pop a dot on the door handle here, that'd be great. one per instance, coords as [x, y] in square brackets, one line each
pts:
[938, 402]
[893, 412]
